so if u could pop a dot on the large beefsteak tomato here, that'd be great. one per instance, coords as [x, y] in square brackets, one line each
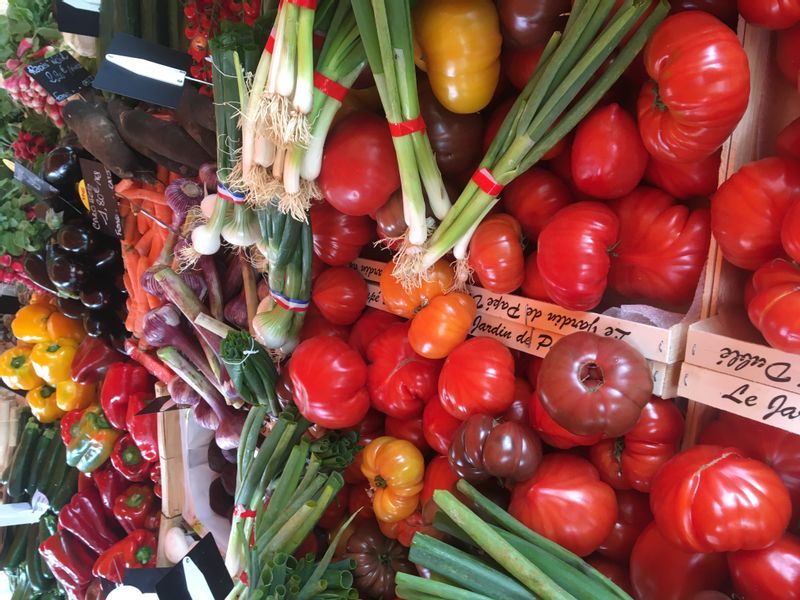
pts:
[438, 426]
[573, 254]
[772, 14]
[633, 460]
[663, 571]
[442, 325]
[594, 385]
[608, 158]
[409, 430]
[566, 502]
[328, 378]
[369, 324]
[632, 517]
[533, 286]
[788, 54]
[662, 247]
[685, 180]
[495, 254]
[337, 237]
[551, 432]
[774, 308]
[407, 302]
[399, 380]
[477, 377]
[772, 573]
[747, 211]
[534, 197]
[699, 90]
[340, 294]
[715, 499]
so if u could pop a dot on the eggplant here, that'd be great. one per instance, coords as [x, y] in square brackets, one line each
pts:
[96, 297]
[77, 238]
[62, 170]
[216, 462]
[100, 323]
[219, 500]
[35, 268]
[107, 259]
[73, 309]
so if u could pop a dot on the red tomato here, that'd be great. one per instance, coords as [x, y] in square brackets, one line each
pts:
[573, 254]
[772, 14]
[439, 426]
[700, 87]
[518, 411]
[775, 447]
[329, 379]
[439, 475]
[769, 574]
[340, 294]
[774, 308]
[404, 531]
[714, 499]
[338, 238]
[685, 180]
[608, 158]
[661, 571]
[533, 198]
[398, 379]
[787, 143]
[369, 428]
[408, 302]
[359, 165]
[519, 64]
[748, 210]
[315, 325]
[551, 432]
[371, 323]
[477, 377]
[633, 460]
[632, 517]
[790, 231]
[566, 502]
[533, 285]
[662, 247]
[495, 254]
[442, 325]
[408, 429]
[788, 54]
[617, 573]
[359, 498]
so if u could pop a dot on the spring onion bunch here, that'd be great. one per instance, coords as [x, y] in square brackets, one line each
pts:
[300, 484]
[558, 96]
[385, 28]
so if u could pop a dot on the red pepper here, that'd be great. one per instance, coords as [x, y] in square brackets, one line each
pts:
[143, 428]
[128, 460]
[69, 560]
[134, 552]
[84, 518]
[133, 506]
[153, 365]
[85, 482]
[69, 425]
[155, 477]
[153, 520]
[122, 381]
[92, 360]
[110, 483]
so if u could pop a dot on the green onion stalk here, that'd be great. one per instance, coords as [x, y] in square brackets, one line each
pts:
[385, 28]
[287, 247]
[558, 96]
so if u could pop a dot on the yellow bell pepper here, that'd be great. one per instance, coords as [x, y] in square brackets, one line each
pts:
[16, 369]
[43, 298]
[52, 360]
[71, 395]
[30, 323]
[43, 401]
[459, 42]
[61, 326]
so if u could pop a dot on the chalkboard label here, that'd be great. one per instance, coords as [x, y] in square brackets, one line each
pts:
[60, 75]
[73, 16]
[103, 205]
[34, 182]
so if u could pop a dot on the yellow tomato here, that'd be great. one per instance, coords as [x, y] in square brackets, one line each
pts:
[395, 469]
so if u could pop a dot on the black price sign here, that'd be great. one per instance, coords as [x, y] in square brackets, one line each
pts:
[103, 205]
[61, 75]
[82, 18]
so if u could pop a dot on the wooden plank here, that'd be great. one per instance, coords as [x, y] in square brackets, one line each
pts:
[171, 458]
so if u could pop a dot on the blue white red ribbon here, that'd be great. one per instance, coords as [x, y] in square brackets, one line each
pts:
[292, 304]
[229, 195]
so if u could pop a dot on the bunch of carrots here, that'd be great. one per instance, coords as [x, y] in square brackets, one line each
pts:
[147, 219]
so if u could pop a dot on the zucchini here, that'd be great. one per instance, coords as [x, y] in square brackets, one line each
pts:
[44, 448]
[16, 552]
[57, 473]
[23, 458]
[32, 560]
[66, 491]
[48, 464]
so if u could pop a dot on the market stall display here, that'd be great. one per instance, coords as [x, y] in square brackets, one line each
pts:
[426, 300]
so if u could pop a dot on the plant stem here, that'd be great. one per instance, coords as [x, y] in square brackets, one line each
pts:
[427, 588]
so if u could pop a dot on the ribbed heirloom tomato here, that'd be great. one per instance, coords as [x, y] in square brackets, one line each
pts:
[632, 517]
[714, 499]
[772, 573]
[395, 470]
[442, 325]
[774, 308]
[340, 294]
[477, 377]
[534, 197]
[551, 432]
[408, 302]
[438, 426]
[370, 324]
[699, 90]
[773, 14]
[338, 238]
[685, 180]
[495, 254]
[566, 502]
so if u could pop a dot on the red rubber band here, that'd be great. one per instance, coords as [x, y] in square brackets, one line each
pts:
[270, 45]
[484, 179]
[319, 40]
[309, 4]
[407, 127]
[243, 512]
[243, 578]
[329, 87]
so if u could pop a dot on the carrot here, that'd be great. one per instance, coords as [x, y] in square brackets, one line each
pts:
[145, 243]
[140, 195]
[142, 223]
[153, 302]
[156, 247]
[162, 174]
[174, 176]
[125, 185]
[163, 213]
[129, 230]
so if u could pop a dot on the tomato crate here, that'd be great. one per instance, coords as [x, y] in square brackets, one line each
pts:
[532, 326]
[728, 365]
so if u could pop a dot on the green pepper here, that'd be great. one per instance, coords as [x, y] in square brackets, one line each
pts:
[93, 442]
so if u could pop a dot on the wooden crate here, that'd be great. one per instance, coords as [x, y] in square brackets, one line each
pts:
[532, 326]
[724, 334]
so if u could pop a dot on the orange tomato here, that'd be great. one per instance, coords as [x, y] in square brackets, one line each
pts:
[407, 303]
[395, 470]
[442, 325]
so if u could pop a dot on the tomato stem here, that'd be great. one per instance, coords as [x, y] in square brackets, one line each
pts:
[380, 482]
